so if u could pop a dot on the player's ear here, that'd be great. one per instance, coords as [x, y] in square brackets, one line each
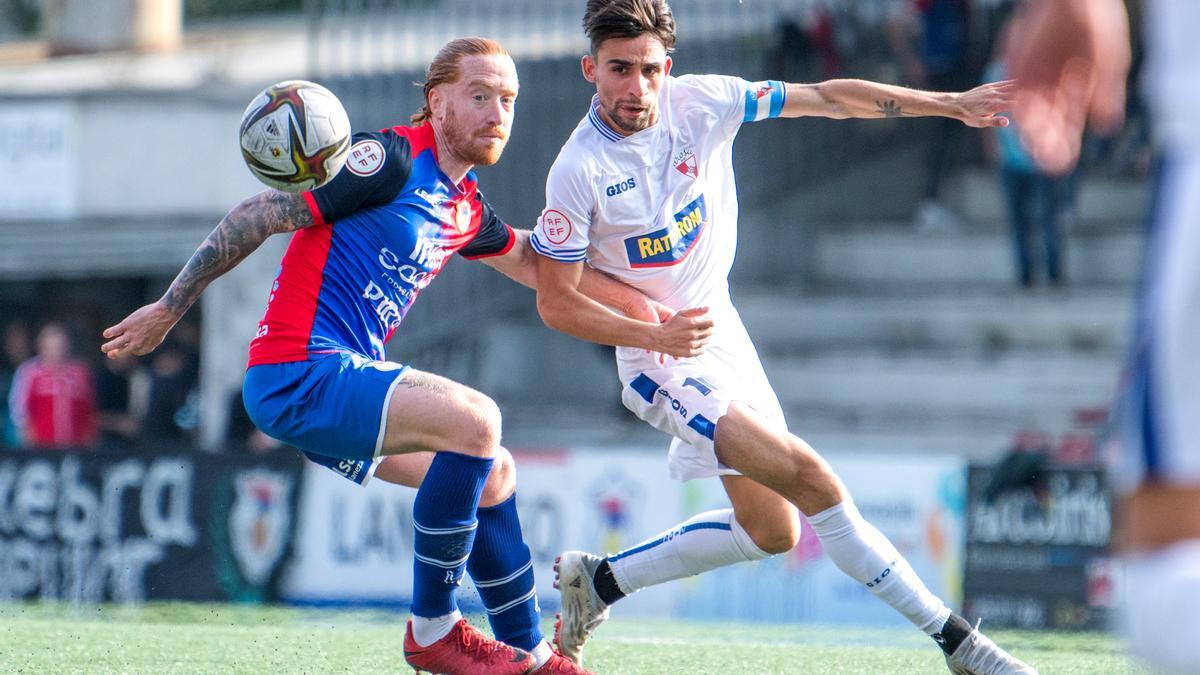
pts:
[667, 67]
[437, 103]
[588, 65]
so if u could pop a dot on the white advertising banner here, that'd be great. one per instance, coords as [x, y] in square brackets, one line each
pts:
[354, 545]
[918, 502]
[38, 161]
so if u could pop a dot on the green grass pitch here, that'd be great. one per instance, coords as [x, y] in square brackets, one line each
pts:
[186, 638]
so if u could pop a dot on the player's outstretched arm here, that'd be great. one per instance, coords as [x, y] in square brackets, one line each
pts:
[844, 99]
[564, 307]
[238, 234]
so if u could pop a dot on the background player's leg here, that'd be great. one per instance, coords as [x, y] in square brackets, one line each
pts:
[771, 521]
[789, 466]
[428, 412]
[500, 562]
[589, 584]
[760, 524]
[502, 568]
[409, 470]
[462, 426]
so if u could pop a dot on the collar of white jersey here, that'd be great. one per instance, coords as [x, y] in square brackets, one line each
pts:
[607, 131]
[594, 117]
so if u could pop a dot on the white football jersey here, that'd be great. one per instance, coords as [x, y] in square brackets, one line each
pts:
[1171, 65]
[657, 209]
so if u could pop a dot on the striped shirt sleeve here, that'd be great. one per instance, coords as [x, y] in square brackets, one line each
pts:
[562, 230]
[763, 100]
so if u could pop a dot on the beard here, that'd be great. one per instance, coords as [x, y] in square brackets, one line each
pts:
[467, 145]
[643, 121]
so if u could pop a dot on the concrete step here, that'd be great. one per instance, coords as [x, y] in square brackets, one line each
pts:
[975, 194]
[974, 444]
[997, 322]
[886, 256]
[875, 390]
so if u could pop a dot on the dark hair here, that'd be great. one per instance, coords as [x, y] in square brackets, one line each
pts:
[606, 19]
[444, 67]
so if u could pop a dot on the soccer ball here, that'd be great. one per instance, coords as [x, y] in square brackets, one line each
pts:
[295, 136]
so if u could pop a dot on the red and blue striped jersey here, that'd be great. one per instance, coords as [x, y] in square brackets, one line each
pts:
[385, 226]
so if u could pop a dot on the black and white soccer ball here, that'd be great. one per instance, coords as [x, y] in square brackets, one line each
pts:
[295, 136]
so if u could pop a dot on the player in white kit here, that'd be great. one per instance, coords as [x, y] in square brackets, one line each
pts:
[1156, 468]
[644, 190]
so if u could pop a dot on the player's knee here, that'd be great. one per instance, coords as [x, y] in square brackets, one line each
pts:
[774, 535]
[779, 538]
[809, 476]
[479, 431]
[502, 481]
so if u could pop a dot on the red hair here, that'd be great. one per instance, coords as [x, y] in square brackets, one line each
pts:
[444, 68]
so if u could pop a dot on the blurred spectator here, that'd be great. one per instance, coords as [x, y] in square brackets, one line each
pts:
[53, 398]
[186, 334]
[18, 18]
[171, 413]
[1034, 198]
[932, 40]
[16, 351]
[122, 388]
[806, 46]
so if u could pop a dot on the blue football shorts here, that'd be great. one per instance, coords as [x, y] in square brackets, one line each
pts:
[333, 407]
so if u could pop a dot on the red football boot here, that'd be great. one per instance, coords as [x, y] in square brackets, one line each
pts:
[466, 651]
[561, 665]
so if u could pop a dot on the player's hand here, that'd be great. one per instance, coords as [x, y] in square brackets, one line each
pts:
[981, 107]
[685, 334]
[1070, 67]
[645, 309]
[140, 332]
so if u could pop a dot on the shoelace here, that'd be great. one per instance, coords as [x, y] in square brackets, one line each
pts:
[561, 664]
[475, 644]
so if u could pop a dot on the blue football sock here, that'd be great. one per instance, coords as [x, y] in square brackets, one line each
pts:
[444, 529]
[502, 569]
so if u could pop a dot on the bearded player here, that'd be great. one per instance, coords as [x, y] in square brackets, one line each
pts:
[364, 246]
[644, 191]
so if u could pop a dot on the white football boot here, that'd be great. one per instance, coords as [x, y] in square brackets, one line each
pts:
[582, 609]
[978, 655]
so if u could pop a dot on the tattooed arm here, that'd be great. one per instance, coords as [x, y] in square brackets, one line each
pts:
[238, 234]
[842, 99]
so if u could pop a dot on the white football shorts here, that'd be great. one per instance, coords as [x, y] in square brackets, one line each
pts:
[687, 397]
[1157, 426]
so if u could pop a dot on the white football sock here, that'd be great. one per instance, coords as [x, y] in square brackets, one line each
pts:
[862, 552]
[703, 542]
[427, 631]
[1162, 593]
[541, 653]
